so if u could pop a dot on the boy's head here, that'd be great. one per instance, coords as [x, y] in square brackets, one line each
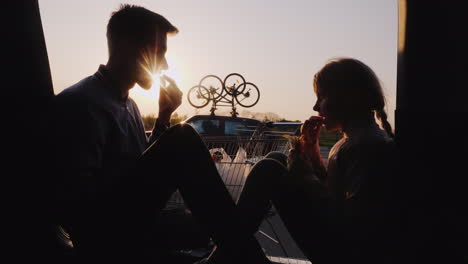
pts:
[139, 36]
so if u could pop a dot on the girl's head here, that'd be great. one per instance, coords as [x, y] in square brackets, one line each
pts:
[347, 90]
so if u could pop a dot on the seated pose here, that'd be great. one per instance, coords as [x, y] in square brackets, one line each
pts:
[341, 213]
[114, 182]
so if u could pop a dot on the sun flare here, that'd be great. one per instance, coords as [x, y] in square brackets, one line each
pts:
[153, 92]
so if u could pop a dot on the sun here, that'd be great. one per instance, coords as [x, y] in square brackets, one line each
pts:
[153, 93]
[172, 71]
[147, 99]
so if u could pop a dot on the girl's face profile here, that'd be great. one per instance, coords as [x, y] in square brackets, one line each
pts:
[322, 106]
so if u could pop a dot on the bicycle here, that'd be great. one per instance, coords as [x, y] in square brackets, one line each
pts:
[233, 90]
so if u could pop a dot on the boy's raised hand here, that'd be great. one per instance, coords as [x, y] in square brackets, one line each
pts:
[170, 98]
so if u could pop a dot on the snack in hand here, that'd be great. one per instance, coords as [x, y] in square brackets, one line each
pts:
[310, 131]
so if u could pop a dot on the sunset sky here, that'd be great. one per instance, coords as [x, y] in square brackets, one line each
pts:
[277, 45]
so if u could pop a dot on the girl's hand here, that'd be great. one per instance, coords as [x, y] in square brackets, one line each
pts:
[309, 148]
[304, 159]
[310, 132]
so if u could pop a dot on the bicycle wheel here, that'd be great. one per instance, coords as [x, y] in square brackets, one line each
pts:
[250, 95]
[198, 96]
[214, 85]
[234, 83]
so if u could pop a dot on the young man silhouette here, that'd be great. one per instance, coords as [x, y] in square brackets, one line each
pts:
[114, 181]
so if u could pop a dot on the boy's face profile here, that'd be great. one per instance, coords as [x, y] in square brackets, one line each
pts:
[151, 61]
[160, 51]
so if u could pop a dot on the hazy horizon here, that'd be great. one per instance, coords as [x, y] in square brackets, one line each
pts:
[277, 45]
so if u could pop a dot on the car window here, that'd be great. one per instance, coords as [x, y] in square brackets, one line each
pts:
[238, 128]
[209, 127]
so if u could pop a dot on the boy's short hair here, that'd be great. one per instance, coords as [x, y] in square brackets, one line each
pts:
[138, 24]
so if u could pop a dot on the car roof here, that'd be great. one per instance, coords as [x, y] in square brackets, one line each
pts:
[214, 117]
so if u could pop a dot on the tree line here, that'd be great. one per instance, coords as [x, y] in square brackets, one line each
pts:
[148, 120]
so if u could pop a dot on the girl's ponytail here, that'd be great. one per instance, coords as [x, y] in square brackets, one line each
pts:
[382, 116]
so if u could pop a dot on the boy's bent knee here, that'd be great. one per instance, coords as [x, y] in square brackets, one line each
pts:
[188, 129]
[185, 130]
[185, 136]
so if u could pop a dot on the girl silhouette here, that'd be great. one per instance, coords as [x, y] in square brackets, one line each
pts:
[342, 212]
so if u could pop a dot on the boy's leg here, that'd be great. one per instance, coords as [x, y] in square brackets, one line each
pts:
[180, 160]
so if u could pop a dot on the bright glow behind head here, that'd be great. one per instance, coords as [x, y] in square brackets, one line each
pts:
[141, 94]
[172, 71]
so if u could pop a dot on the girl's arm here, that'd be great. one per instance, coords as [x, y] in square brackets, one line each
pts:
[309, 148]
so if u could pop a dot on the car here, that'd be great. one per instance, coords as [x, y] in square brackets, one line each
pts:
[230, 133]
[212, 125]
